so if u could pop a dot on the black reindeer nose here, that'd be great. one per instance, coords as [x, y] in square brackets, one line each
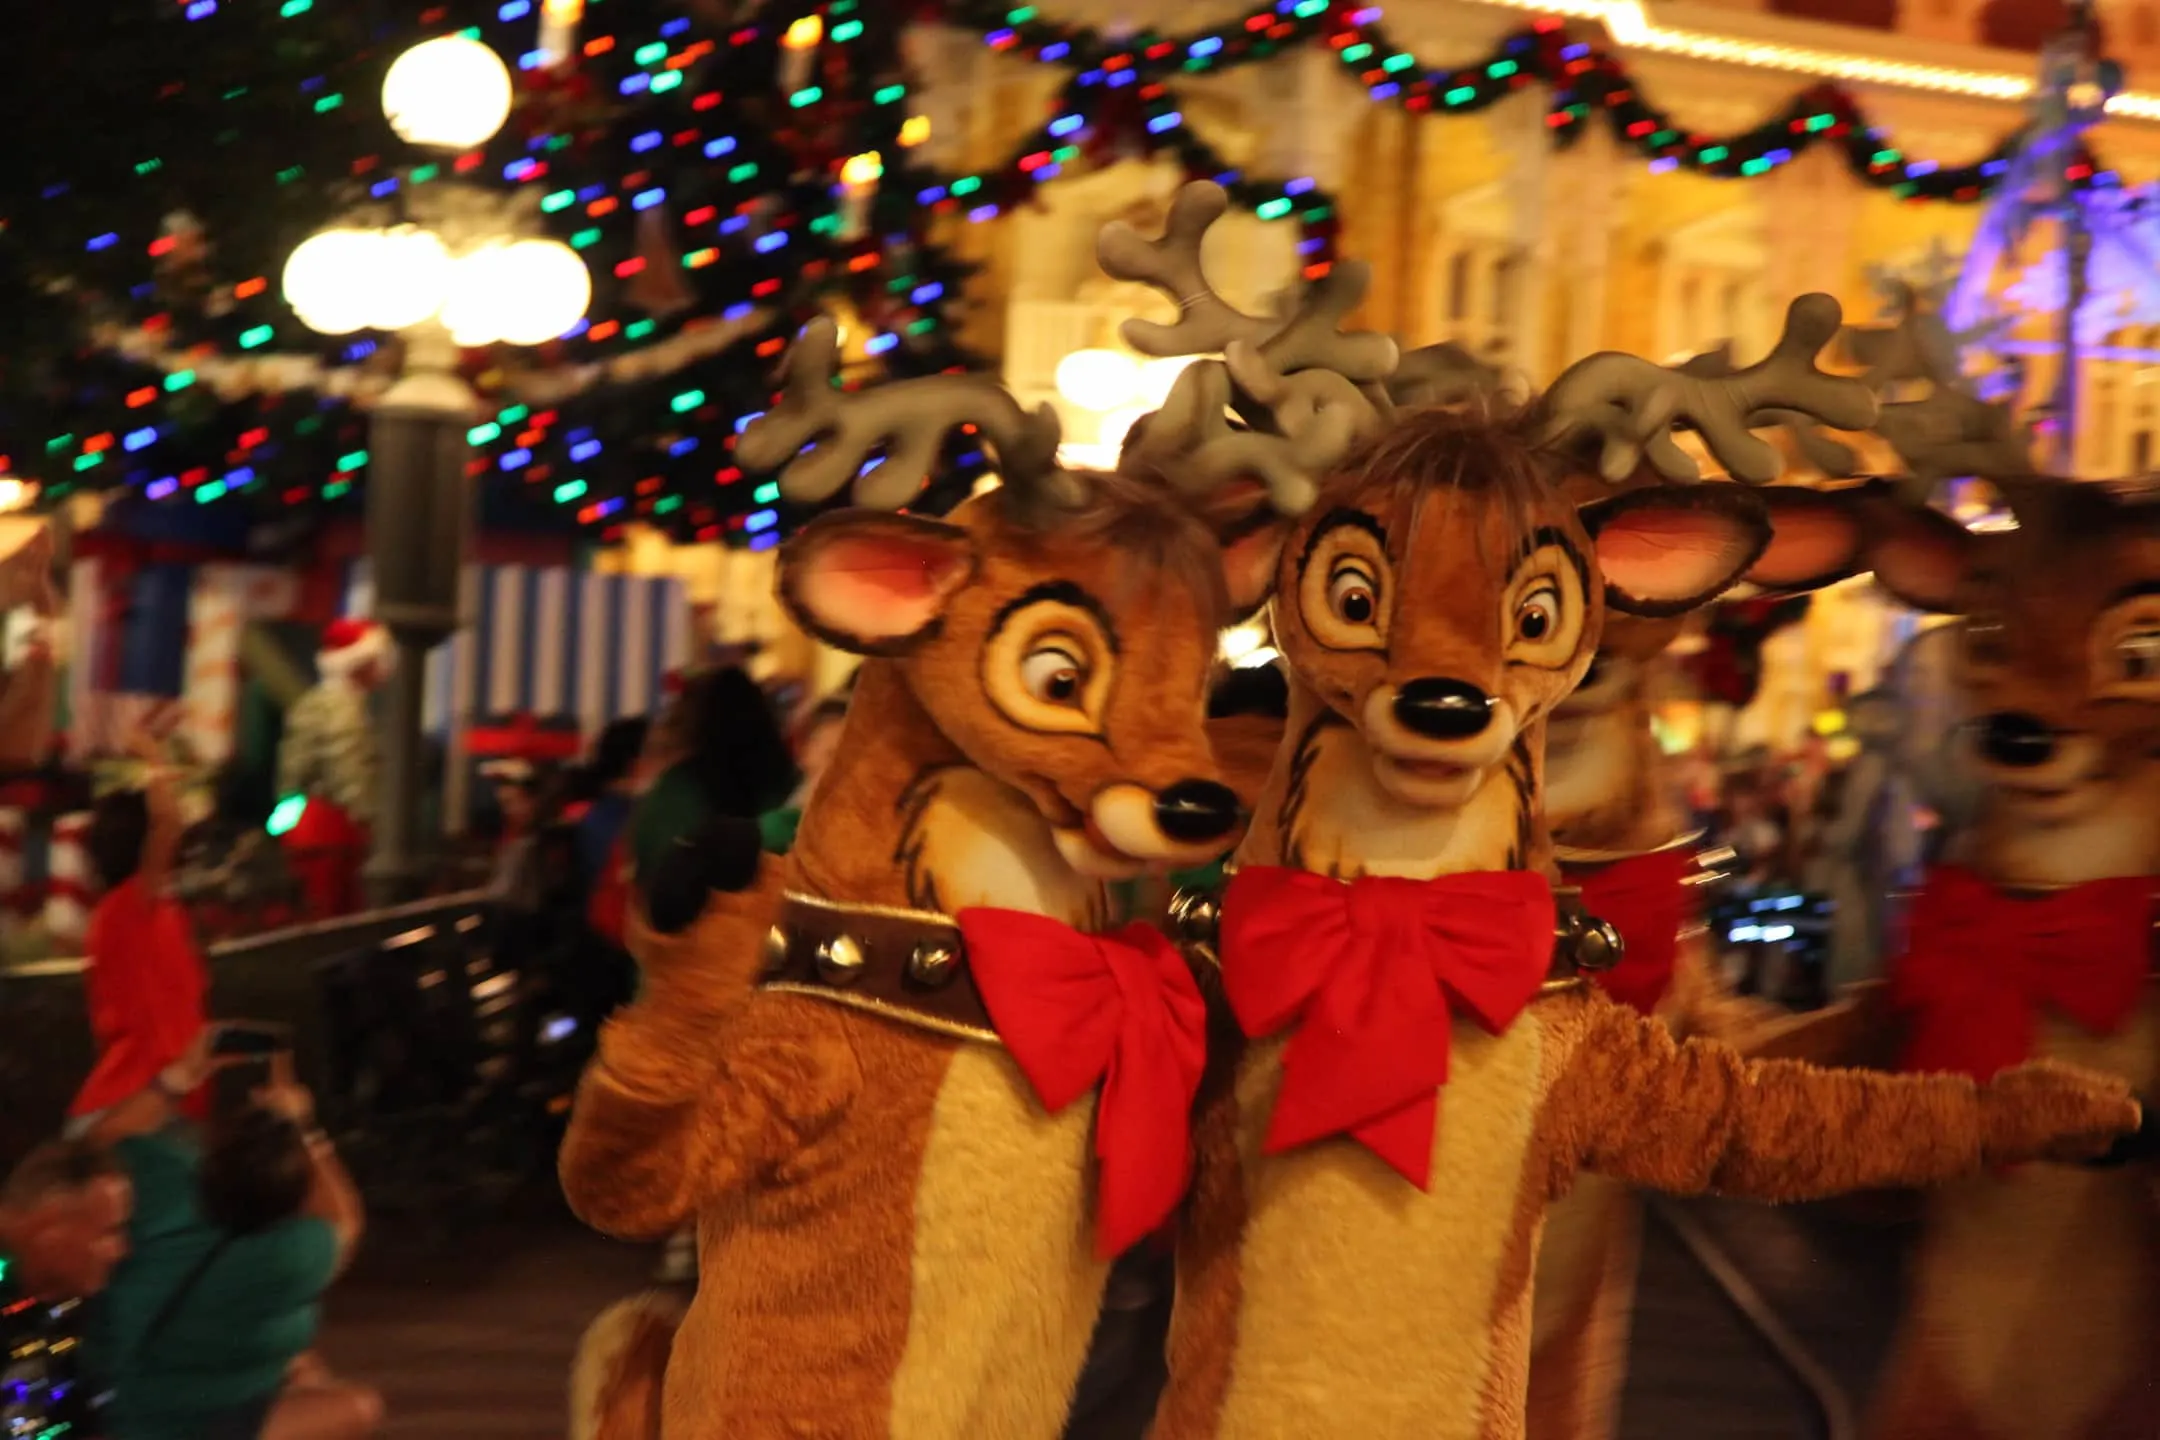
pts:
[1443, 709]
[2014, 738]
[1196, 810]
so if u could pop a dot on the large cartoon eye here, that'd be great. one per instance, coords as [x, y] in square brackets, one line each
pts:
[2137, 656]
[1351, 596]
[1054, 676]
[1987, 642]
[1538, 614]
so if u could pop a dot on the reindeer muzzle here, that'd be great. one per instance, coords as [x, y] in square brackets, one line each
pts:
[1442, 709]
[1193, 811]
[2016, 740]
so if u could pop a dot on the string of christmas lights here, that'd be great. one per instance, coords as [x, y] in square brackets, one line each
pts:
[1584, 81]
[701, 196]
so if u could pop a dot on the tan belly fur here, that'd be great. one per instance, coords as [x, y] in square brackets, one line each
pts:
[2039, 1290]
[1575, 1255]
[1005, 1290]
[1369, 1305]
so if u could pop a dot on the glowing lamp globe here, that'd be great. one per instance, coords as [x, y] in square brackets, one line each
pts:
[481, 300]
[410, 278]
[1098, 380]
[552, 286]
[451, 93]
[330, 280]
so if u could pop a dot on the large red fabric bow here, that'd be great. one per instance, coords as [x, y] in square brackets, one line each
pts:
[1645, 898]
[1372, 973]
[1979, 964]
[1123, 1009]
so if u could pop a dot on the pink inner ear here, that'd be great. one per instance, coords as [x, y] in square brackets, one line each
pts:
[1249, 567]
[1806, 543]
[1922, 564]
[880, 587]
[1670, 555]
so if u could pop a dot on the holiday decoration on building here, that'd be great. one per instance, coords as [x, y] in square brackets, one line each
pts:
[715, 212]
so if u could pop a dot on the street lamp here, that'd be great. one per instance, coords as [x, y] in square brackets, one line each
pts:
[459, 267]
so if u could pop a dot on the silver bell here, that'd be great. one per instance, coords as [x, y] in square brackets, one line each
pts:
[933, 964]
[776, 948]
[1194, 917]
[840, 960]
[1598, 945]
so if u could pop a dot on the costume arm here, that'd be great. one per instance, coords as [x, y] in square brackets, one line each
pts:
[1634, 1104]
[688, 1098]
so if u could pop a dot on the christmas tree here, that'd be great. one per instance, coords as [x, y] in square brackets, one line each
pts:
[727, 173]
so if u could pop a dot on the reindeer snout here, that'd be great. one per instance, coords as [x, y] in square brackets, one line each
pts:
[1195, 810]
[1443, 709]
[2012, 738]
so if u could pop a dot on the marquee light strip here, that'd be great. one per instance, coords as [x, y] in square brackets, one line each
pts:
[1631, 27]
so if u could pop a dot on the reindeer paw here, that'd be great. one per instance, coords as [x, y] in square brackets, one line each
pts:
[2141, 1145]
[722, 855]
[2046, 1110]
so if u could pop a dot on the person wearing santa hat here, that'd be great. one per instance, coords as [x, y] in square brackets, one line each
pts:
[328, 756]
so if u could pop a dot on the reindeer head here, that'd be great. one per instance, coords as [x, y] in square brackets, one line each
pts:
[2061, 637]
[1056, 631]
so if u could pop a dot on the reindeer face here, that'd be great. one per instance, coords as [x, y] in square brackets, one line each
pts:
[1071, 670]
[1447, 600]
[2060, 651]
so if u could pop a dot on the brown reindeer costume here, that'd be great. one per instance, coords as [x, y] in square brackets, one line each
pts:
[1358, 1252]
[885, 1118]
[2033, 1307]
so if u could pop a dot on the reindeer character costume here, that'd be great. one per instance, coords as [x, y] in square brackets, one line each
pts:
[2033, 1307]
[1358, 1251]
[1618, 838]
[916, 1131]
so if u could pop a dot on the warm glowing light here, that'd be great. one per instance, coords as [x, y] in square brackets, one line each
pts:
[330, 278]
[1240, 641]
[1632, 28]
[1157, 376]
[450, 93]
[805, 34]
[412, 275]
[16, 494]
[1099, 380]
[524, 292]
[915, 130]
[864, 169]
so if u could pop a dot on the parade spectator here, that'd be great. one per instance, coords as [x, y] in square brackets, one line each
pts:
[725, 758]
[817, 739]
[144, 981]
[63, 1227]
[205, 1331]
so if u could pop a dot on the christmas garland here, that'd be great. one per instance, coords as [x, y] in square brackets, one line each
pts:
[1113, 74]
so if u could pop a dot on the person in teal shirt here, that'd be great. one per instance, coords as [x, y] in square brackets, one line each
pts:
[204, 1332]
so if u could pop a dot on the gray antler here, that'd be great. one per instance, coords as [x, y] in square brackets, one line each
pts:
[1833, 458]
[1631, 403]
[907, 420]
[1443, 374]
[1307, 388]
[1952, 434]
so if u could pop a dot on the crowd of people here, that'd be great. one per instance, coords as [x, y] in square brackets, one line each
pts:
[164, 1261]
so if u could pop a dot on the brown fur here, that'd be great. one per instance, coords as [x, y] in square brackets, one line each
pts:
[894, 1237]
[1361, 1305]
[2035, 1297]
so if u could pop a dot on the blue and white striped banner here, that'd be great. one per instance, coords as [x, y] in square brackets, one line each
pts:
[551, 643]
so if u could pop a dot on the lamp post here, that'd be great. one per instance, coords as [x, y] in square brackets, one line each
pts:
[458, 267]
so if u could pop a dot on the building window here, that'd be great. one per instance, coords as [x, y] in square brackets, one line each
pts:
[1458, 285]
[2141, 452]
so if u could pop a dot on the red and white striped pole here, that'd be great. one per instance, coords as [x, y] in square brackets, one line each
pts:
[67, 884]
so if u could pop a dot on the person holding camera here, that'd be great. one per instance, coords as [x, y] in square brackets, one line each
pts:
[205, 1331]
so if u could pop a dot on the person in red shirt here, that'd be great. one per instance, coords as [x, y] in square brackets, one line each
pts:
[145, 982]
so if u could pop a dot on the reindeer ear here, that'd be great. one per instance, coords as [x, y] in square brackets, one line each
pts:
[874, 583]
[1669, 549]
[1919, 555]
[1251, 553]
[1816, 538]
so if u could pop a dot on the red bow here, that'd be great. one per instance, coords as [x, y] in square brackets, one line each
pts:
[1979, 964]
[1645, 898]
[1122, 1009]
[1371, 973]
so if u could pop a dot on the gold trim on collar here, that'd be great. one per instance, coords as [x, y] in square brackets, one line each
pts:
[952, 1029]
[857, 907]
[1566, 855]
